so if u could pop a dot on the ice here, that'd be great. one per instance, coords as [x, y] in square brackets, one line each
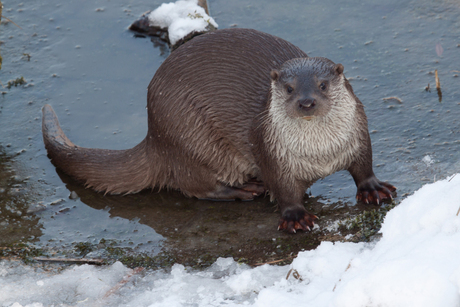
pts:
[180, 18]
[416, 263]
[428, 160]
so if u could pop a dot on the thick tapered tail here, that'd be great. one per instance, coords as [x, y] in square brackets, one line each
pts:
[104, 170]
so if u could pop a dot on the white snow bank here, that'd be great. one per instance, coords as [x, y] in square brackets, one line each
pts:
[181, 18]
[416, 263]
[24, 285]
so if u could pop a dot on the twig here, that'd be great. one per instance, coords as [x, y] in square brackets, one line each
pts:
[295, 274]
[438, 84]
[11, 258]
[11, 21]
[274, 261]
[335, 286]
[452, 177]
[204, 4]
[123, 281]
[78, 260]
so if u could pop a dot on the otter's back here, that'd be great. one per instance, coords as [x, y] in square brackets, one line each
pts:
[204, 97]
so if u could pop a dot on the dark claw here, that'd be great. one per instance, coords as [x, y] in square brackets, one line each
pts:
[365, 197]
[290, 227]
[303, 225]
[386, 191]
[375, 196]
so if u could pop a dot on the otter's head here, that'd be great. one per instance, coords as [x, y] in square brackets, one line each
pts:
[305, 86]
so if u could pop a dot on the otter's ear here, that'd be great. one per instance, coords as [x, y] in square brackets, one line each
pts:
[275, 75]
[338, 68]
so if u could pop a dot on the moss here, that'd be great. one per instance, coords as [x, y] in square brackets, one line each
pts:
[16, 82]
[368, 223]
[132, 260]
[24, 251]
[83, 248]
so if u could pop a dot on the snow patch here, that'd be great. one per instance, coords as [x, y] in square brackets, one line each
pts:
[428, 160]
[181, 18]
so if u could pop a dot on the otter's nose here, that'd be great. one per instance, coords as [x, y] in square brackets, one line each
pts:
[307, 104]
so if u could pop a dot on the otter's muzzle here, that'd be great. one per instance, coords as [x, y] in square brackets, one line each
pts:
[307, 108]
[307, 104]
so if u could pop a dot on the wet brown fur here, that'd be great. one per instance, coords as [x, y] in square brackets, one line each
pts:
[201, 103]
[206, 131]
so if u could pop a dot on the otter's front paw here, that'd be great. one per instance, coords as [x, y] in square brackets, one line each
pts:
[373, 191]
[296, 219]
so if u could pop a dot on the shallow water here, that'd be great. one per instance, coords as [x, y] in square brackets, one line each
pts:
[94, 72]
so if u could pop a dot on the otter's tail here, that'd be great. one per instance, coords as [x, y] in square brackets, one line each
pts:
[104, 170]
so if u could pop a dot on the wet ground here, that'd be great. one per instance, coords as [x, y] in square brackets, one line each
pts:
[80, 58]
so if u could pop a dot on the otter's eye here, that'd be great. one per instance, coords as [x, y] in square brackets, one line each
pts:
[323, 86]
[289, 89]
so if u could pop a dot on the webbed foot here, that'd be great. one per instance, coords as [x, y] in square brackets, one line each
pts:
[296, 219]
[373, 191]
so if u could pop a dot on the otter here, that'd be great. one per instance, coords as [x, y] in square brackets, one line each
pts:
[233, 114]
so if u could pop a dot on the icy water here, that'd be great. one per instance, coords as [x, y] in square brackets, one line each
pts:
[79, 57]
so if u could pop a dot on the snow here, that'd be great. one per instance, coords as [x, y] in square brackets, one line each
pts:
[181, 18]
[416, 263]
